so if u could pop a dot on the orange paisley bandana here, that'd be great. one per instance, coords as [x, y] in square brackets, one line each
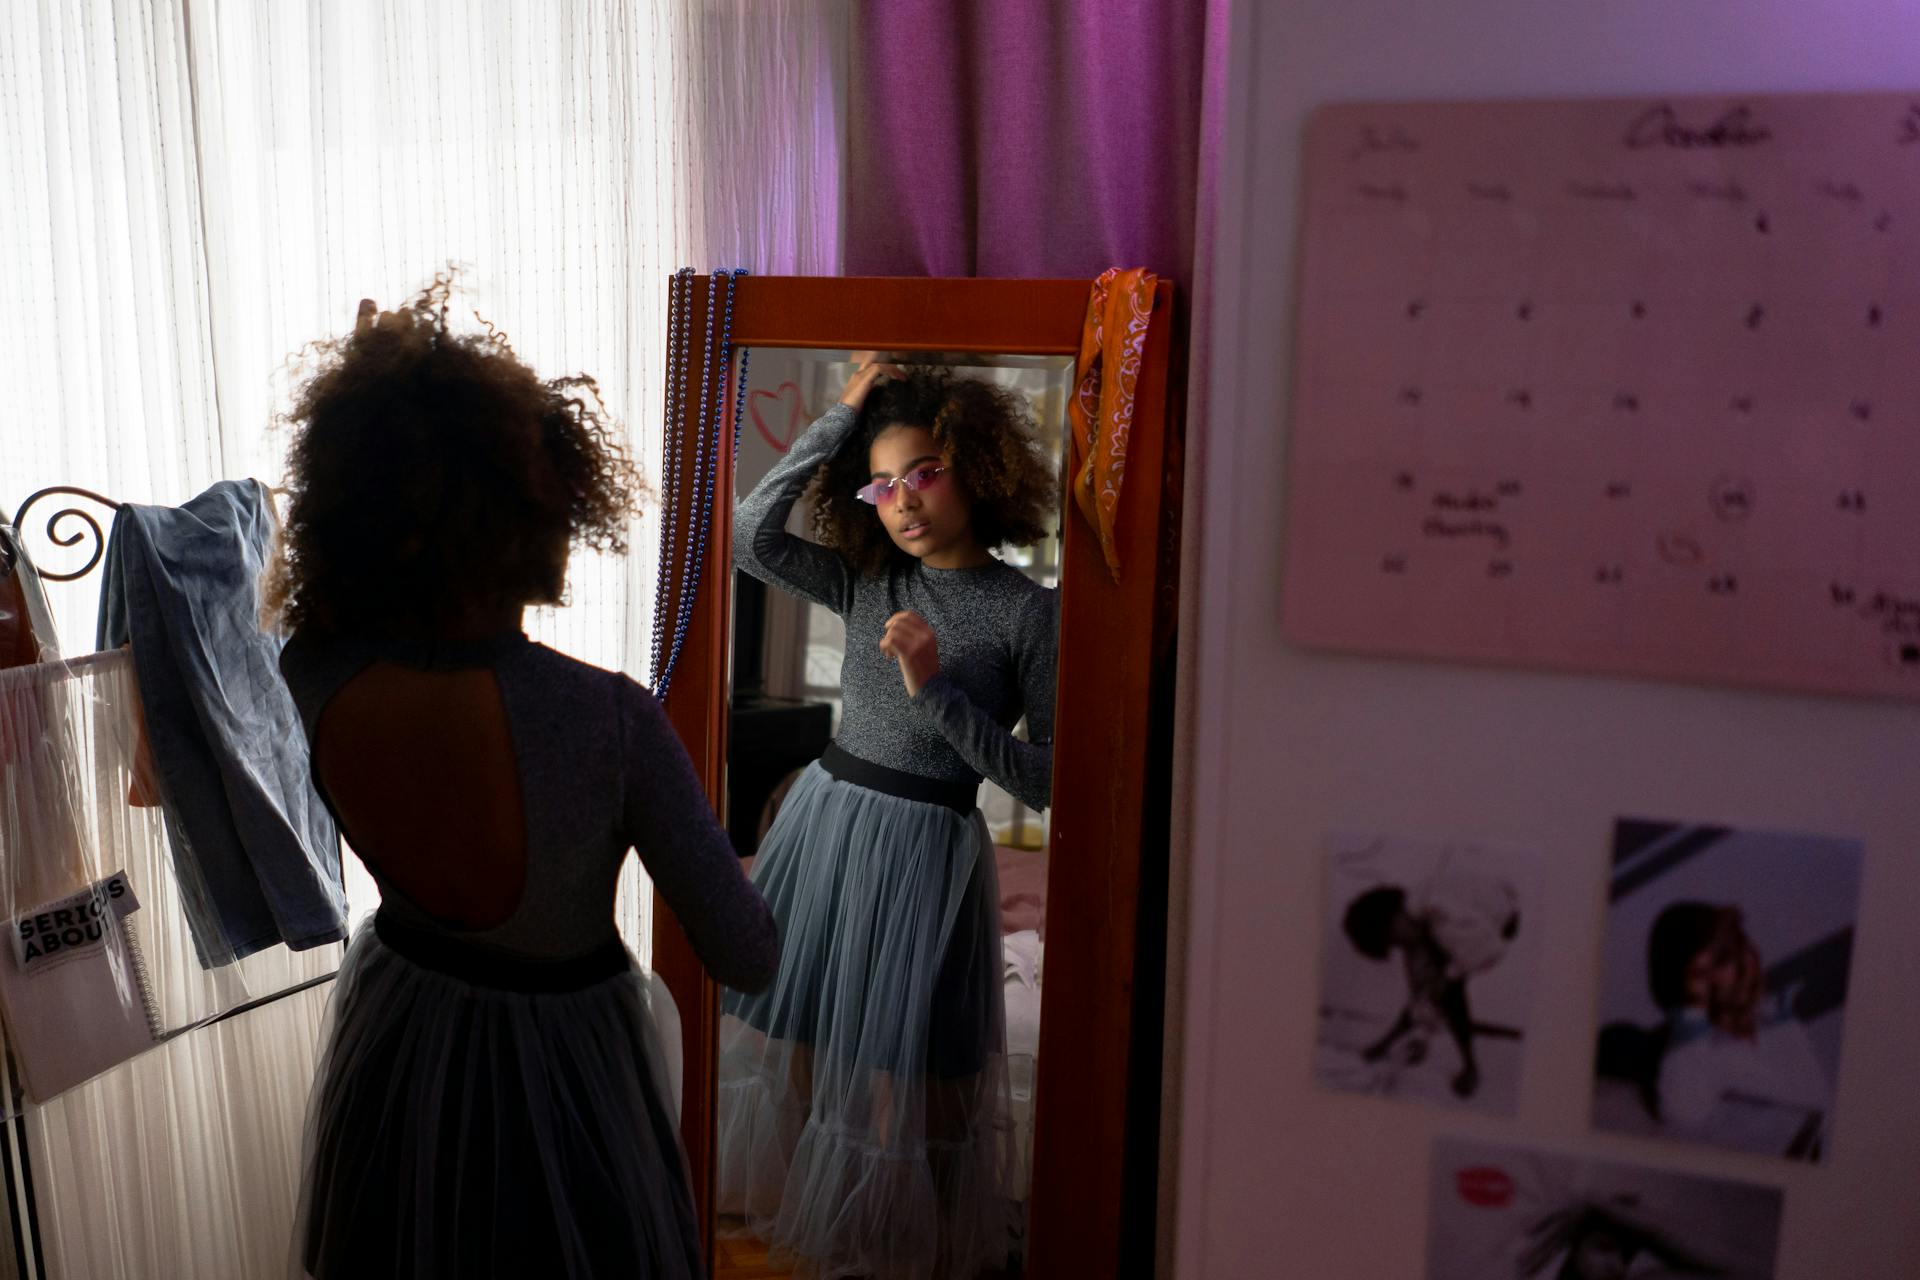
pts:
[1100, 414]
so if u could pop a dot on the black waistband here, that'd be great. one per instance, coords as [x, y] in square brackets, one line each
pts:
[957, 796]
[471, 962]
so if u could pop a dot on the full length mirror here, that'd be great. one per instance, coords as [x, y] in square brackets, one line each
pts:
[889, 763]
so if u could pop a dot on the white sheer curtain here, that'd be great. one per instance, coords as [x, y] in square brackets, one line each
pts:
[189, 190]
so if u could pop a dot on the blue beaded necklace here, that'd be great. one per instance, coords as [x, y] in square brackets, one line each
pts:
[704, 474]
[677, 299]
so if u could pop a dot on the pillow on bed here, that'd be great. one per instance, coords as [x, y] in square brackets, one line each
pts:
[1023, 890]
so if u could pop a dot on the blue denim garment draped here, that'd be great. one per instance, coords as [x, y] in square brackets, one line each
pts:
[256, 851]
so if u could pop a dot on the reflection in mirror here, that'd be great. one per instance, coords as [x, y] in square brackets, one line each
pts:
[889, 767]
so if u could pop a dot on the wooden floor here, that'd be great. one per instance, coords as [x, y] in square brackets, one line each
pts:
[746, 1259]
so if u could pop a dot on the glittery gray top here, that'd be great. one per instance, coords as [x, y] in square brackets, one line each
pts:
[997, 631]
[601, 772]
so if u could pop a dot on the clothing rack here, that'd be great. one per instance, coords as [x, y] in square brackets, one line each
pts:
[71, 666]
[91, 529]
[15, 1162]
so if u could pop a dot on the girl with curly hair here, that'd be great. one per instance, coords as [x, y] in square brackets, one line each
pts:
[864, 1102]
[492, 1098]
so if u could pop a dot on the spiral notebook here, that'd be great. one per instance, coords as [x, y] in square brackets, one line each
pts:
[75, 989]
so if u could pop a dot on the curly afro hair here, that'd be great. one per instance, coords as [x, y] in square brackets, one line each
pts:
[433, 475]
[987, 432]
[1368, 923]
[1680, 932]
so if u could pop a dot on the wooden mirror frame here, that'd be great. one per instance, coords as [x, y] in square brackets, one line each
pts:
[1093, 1175]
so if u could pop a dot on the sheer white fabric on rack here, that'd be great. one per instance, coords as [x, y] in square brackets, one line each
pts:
[71, 784]
[174, 1164]
[196, 187]
[158, 1136]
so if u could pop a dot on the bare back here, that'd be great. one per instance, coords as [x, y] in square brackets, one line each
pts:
[420, 769]
[494, 788]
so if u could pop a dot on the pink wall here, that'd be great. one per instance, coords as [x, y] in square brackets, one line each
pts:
[1271, 1177]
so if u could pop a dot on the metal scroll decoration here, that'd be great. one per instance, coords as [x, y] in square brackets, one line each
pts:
[88, 532]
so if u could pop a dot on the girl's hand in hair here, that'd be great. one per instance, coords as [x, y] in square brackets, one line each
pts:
[872, 369]
[371, 319]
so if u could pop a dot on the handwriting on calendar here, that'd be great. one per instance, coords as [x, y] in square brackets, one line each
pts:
[1613, 385]
[1660, 125]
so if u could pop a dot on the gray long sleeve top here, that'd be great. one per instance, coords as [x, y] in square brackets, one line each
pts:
[601, 772]
[997, 630]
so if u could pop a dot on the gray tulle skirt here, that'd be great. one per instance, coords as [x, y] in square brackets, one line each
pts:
[864, 1111]
[479, 1118]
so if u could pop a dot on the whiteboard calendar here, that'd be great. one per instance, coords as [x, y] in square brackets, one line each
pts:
[1626, 386]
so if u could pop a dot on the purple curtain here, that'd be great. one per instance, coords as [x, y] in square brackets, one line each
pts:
[1025, 137]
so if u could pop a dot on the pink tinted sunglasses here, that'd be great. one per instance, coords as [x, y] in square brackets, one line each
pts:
[882, 491]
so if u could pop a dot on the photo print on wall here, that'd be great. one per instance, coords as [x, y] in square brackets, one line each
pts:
[1725, 985]
[1503, 1211]
[1426, 970]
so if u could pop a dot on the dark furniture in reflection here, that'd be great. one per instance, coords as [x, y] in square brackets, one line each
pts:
[767, 737]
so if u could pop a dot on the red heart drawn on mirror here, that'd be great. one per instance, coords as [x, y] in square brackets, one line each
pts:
[795, 419]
